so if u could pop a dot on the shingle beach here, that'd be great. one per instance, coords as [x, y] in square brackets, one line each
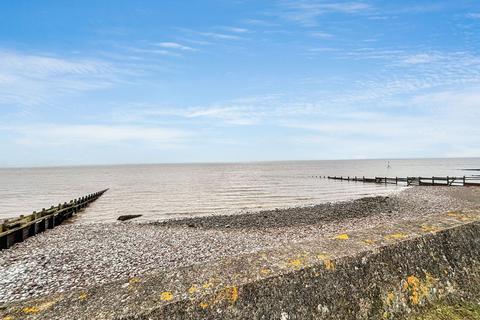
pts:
[74, 256]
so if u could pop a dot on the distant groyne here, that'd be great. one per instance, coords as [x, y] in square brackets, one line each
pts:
[18, 229]
[472, 181]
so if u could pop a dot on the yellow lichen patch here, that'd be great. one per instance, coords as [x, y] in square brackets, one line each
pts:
[83, 296]
[417, 289]
[342, 236]
[329, 264]
[390, 298]
[207, 285]
[227, 294]
[265, 271]
[429, 279]
[133, 280]
[295, 263]
[368, 241]
[8, 318]
[429, 228]
[459, 215]
[203, 305]
[193, 289]
[166, 296]
[30, 310]
[396, 236]
[232, 293]
[323, 256]
[39, 307]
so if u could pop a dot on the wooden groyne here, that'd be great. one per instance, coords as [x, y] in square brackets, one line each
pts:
[18, 229]
[417, 181]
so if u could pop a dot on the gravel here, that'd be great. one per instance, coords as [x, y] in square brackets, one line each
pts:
[74, 256]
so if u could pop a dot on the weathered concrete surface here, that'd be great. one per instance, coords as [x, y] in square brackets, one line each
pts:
[466, 310]
[371, 274]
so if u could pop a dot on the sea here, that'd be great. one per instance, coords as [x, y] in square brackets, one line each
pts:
[166, 191]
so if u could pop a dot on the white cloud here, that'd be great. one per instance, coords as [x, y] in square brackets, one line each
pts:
[236, 29]
[474, 15]
[462, 102]
[33, 79]
[217, 35]
[228, 114]
[321, 35]
[59, 135]
[306, 12]
[174, 45]
[260, 23]
[418, 59]
[320, 50]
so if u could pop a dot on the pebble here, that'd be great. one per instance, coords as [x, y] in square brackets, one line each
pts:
[84, 255]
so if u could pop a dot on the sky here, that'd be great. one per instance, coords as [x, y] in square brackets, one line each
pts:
[110, 82]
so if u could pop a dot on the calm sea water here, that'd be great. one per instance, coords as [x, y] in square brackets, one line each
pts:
[177, 190]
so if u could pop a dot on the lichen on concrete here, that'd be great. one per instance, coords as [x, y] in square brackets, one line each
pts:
[465, 310]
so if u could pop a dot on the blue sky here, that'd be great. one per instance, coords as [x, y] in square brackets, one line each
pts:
[98, 82]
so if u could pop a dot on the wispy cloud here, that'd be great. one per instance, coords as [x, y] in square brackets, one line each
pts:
[260, 23]
[59, 135]
[321, 35]
[217, 35]
[174, 45]
[306, 12]
[464, 102]
[419, 58]
[236, 29]
[211, 35]
[474, 15]
[32, 79]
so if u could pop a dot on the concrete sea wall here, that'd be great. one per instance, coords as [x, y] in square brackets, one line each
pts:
[379, 273]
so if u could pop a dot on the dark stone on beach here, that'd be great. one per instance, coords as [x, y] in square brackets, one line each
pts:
[128, 217]
[191, 225]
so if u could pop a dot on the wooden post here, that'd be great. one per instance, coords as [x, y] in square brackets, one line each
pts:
[396, 180]
[433, 181]
[464, 180]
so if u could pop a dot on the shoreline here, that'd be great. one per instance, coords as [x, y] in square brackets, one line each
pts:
[80, 256]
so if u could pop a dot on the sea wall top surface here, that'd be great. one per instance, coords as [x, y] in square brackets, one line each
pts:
[383, 272]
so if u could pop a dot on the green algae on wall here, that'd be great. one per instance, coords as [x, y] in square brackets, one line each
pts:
[443, 311]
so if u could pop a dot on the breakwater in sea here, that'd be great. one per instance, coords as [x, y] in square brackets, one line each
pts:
[172, 191]
[18, 229]
[383, 264]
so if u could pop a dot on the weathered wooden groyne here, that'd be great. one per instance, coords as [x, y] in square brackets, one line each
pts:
[18, 229]
[418, 181]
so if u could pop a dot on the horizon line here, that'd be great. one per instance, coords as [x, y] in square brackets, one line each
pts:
[220, 162]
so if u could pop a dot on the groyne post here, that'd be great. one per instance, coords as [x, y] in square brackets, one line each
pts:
[18, 229]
